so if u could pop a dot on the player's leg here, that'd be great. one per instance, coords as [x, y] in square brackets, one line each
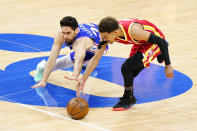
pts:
[64, 62]
[61, 63]
[130, 69]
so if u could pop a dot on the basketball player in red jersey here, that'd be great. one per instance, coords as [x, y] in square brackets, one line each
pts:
[148, 43]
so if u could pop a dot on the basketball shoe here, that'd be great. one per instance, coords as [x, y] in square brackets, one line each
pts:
[125, 102]
[39, 71]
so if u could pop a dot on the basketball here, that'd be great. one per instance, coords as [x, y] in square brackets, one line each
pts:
[77, 108]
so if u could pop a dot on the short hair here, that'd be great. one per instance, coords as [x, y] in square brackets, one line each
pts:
[69, 21]
[108, 24]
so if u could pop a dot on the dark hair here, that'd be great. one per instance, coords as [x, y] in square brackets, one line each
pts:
[108, 24]
[69, 21]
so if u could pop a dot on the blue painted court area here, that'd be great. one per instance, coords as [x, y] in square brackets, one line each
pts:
[150, 85]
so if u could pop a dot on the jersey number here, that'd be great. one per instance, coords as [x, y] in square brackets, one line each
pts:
[94, 30]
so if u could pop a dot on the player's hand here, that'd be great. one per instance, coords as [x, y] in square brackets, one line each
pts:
[40, 84]
[80, 86]
[72, 77]
[169, 71]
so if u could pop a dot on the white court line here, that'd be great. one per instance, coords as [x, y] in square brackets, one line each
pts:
[42, 51]
[63, 117]
[17, 93]
[47, 112]
[21, 44]
[58, 116]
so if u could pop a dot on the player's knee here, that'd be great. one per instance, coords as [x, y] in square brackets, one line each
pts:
[127, 75]
[125, 69]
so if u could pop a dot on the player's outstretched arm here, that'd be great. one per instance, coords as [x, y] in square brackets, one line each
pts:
[79, 47]
[90, 68]
[51, 61]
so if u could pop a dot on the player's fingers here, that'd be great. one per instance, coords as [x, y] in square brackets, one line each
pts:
[35, 86]
[171, 75]
[70, 78]
[77, 93]
[66, 77]
[77, 79]
[82, 84]
[78, 89]
[83, 93]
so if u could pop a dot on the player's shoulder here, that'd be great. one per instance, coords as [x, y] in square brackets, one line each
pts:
[87, 26]
[82, 42]
[83, 39]
[136, 27]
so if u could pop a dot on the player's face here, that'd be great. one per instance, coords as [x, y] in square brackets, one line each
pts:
[109, 37]
[69, 33]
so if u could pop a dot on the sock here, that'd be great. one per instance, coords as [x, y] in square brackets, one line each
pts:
[128, 92]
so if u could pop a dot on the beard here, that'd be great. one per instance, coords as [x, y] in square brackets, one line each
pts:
[70, 41]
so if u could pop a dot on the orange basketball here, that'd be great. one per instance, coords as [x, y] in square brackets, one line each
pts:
[77, 108]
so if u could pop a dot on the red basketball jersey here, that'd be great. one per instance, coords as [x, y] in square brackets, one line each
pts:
[149, 50]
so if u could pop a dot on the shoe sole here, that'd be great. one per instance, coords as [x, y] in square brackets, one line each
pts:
[120, 109]
[123, 109]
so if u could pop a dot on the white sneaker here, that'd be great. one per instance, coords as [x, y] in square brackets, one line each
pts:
[39, 71]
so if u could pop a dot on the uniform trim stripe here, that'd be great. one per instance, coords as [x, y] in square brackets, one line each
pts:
[129, 32]
[146, 27]
[153, 49]
[150, 54]
[123, 33]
